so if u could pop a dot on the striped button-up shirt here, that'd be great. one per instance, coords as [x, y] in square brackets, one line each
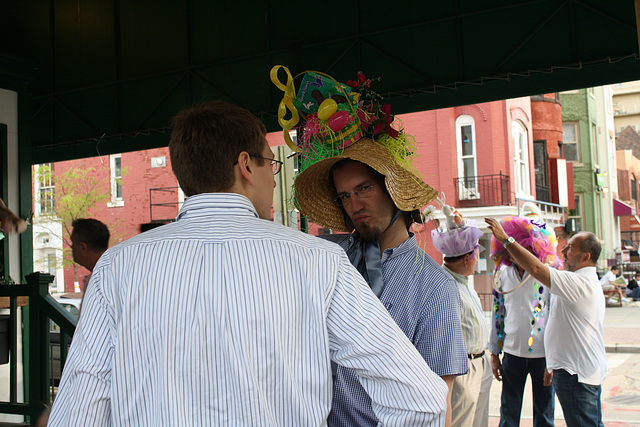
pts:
[425, 303]
[222, 318]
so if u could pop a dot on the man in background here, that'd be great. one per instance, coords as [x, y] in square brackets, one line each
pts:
[89, 240]
[574, 339]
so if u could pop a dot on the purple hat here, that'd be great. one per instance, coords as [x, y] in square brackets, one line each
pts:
[458, 236]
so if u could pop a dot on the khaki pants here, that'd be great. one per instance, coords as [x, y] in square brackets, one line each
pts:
[464, 396]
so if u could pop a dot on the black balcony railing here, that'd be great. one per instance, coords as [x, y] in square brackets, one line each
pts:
[543, 193]
[485, 190]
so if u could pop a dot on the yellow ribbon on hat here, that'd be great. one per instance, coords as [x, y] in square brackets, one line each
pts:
[286, 103]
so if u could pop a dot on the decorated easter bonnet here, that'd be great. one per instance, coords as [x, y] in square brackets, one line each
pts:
[336, 121]
[457, 236]
[529, 230]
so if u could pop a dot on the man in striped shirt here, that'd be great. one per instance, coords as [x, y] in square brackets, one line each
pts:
[380, 203]
[458, 240]
[226, 318]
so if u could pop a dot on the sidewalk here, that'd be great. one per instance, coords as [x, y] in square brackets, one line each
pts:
[622, 328]
[620, 391]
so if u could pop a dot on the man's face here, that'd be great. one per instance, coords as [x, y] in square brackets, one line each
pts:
[572, 254]
[76, 249]
[370, 215]
[265, 183]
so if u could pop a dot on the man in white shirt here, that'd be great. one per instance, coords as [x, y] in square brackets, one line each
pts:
[225, 318]
[610, 286]
[574, 344]
[607, 281]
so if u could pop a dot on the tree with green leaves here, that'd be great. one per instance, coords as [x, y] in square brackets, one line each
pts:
[67, 196]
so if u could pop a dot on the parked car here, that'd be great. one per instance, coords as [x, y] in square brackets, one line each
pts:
[71, 302]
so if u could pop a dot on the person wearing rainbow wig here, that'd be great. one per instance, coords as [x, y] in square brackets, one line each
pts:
[520, 312]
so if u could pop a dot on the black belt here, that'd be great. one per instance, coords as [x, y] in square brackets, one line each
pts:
[475, 356]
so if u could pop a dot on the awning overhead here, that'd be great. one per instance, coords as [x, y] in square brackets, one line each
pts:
[622, 209]
[109, 75]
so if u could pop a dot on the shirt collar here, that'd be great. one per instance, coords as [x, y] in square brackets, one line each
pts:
[459, 277]
[410, 244]
[206, 204]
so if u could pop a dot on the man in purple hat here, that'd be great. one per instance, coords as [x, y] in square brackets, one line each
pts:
[458, 240]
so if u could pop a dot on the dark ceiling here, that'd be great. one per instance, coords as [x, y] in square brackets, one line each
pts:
[108, 75]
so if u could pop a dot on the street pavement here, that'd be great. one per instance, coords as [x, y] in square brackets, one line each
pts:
[621, 387]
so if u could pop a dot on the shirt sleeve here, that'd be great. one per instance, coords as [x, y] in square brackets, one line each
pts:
[84, 393]
[438, 335]
[364, 337]
[567, 285]
[496, 309]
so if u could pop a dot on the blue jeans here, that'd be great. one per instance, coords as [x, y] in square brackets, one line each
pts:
[514, 376]
[580, 402]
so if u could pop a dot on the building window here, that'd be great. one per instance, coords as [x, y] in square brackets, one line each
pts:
[634, 189]
[594, 142]
[520, 157]
[45, 183]
[466, 149]
[575, 215]
[116, 181]
[540, 170]
[570, 142]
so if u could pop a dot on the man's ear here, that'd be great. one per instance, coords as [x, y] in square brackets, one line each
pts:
[245, 167]
[84, 248]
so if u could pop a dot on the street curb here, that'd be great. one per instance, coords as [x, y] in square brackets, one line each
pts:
[622, 348]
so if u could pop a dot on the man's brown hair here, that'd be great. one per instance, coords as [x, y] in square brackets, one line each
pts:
[205, 144]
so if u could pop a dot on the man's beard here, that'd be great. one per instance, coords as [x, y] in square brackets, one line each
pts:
[368, 233]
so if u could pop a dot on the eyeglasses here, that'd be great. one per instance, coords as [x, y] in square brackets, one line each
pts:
[276, 165]
[362, 192]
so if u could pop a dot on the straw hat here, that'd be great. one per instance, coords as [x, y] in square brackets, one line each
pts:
[337, 121]
[314, 192]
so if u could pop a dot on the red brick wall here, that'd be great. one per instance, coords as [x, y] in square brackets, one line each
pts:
[546, 117]
[124, 221]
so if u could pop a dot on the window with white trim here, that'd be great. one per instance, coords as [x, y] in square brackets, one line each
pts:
[576, 214]
[116, 181]
[466, 150]
[520, 157]
[46, 189]
[570, 142]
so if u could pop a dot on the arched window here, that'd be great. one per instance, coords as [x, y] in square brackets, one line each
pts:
[466, 149]
[520, 157]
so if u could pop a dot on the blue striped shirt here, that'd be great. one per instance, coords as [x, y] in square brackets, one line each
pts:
[425, 303]
[222, 318]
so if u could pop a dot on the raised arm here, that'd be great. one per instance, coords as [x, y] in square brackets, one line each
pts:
[10, 222]
[520, 255]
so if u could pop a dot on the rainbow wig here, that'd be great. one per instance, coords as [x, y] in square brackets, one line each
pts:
[527, 232]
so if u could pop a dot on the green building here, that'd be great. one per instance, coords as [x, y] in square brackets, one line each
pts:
[589, 144]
